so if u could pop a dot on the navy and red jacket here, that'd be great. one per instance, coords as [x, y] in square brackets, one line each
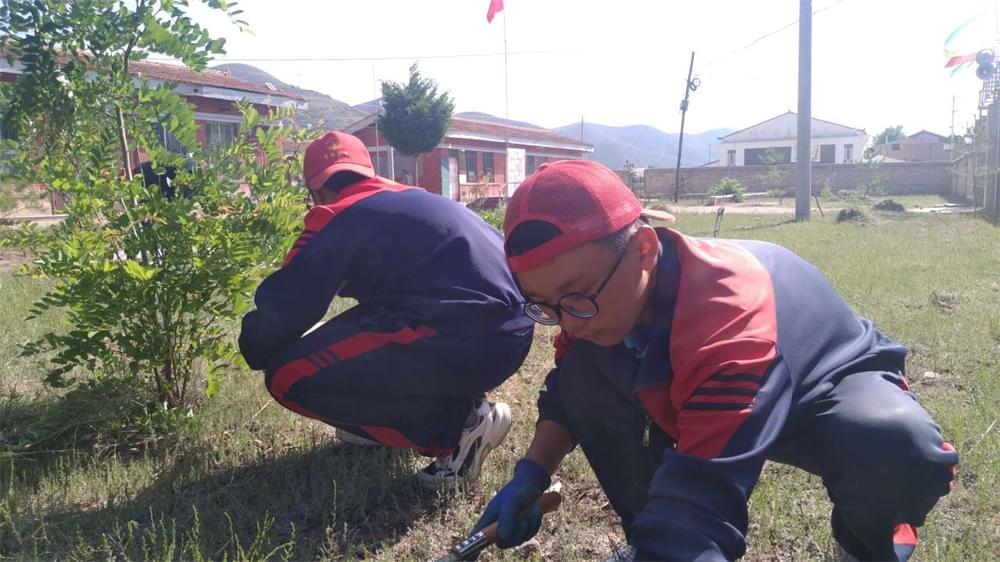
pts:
[394, 247]
[745, 334]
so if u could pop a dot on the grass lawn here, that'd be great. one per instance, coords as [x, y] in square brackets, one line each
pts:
[248, 480]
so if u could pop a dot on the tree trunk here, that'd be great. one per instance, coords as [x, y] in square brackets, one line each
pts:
[123, 142]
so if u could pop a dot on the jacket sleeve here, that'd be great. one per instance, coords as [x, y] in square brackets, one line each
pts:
[697, 504]
[295, 297]
[550, 406]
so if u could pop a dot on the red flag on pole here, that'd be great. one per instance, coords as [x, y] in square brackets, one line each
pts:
[495, 6]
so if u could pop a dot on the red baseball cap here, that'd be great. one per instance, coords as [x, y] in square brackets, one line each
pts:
[335, 152]
[583, 199]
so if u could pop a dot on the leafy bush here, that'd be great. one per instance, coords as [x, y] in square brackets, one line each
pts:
[153, 282]
[729, 186]
[493, 216]
[150, 277]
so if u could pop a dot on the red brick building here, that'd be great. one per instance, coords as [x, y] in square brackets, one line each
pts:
[472, 160]
[212, 92]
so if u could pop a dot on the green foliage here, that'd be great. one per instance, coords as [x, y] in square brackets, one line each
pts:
[150, 283]
[416, 117]
[889, 134]
[729, 186]
[493, 216]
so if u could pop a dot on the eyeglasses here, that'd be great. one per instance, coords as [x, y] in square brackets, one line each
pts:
[577, 305]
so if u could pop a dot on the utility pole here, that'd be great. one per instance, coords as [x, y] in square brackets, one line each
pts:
[952, 120]
[689, 86]
[803, 161]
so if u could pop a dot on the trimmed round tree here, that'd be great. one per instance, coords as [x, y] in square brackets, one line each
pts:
[415, 117]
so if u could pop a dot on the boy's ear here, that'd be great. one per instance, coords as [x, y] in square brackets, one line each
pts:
[649, 246]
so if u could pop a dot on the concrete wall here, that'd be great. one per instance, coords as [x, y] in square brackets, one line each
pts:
[898, 178]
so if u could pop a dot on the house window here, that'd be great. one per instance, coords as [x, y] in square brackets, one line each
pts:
[895, 146]
[168, 139]
[767, 156]
[221, 135]
[529, 165]
[488, 166]
[471, 167]
[848, 153]
[731, 157]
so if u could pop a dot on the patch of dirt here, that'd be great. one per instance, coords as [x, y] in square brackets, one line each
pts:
[738, 209]
[889, 205]
[850, 215]
[12, 259]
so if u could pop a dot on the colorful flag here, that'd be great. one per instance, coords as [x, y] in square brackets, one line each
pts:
[957, 51]
[959, 59]
[495, 6]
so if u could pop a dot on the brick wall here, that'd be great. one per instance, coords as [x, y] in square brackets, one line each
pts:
[914, 151]
[899, 178]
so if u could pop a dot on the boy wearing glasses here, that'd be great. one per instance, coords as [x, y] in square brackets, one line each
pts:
[438, 322]
[683, 364]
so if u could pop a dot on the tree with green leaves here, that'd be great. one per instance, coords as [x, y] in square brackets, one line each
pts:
[888, 135]
[150, 280]
[777, 176]
[415, 117]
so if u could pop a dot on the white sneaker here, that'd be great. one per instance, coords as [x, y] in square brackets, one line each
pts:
[347, 437]
[476, 442]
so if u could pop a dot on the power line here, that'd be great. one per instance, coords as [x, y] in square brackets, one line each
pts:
[371, 59]
[766, 36]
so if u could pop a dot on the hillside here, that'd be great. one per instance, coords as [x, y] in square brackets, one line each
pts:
[644, 145]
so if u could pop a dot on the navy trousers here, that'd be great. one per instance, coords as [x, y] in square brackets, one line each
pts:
[877, 450]
[404, 384]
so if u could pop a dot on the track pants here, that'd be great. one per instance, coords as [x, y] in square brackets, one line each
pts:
[395, 381]
[883, 472]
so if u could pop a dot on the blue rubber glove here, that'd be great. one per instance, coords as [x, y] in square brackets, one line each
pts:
[523, 490]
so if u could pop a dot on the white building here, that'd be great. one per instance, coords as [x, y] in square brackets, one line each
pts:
[774, 142]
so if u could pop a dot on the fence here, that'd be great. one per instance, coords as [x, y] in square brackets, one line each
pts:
[976, 174]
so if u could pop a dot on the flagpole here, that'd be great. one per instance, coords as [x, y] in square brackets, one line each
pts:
[506, 103]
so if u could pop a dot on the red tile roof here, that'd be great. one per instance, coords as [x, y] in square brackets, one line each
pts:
[500, 130]
[208, 77]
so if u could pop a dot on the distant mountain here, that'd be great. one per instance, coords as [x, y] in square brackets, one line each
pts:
[369, 107]
[333, 114]
[644, 146]
[487, 117]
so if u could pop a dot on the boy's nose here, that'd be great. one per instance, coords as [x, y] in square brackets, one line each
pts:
[572, 325]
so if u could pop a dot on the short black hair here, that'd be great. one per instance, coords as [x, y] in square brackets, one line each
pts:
[340, 180]
[531, 234]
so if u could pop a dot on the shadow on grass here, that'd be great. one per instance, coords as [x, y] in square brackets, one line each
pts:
[205, 502]
[334, 501]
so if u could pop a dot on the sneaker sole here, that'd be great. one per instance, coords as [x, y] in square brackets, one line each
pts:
[491, 440]
[352, 439]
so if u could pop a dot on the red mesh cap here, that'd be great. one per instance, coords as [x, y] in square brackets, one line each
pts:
[335, 152]
[583, 199]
